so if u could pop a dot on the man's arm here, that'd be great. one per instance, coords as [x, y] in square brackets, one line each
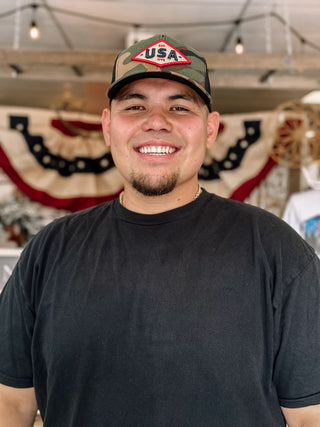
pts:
[309, 416]
[18, 406]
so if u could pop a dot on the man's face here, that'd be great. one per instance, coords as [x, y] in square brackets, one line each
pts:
[158, 131]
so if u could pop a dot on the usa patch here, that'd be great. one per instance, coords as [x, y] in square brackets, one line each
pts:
[162, 54]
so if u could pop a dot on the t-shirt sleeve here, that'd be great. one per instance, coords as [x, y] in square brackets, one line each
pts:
[16, 330]
[297, 359]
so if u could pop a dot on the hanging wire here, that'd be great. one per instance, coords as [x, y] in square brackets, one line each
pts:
[34, 31]
[59, 26]
[235, 26]
[92, 18]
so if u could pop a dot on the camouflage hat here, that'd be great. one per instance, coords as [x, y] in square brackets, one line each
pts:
[164, 57]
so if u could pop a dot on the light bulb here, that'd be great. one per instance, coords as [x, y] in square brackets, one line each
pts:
[239, 46]
[34, 32]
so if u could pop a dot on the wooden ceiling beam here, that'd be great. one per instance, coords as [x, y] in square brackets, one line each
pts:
[215, 60]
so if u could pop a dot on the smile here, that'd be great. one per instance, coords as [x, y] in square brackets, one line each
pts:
[157, 150]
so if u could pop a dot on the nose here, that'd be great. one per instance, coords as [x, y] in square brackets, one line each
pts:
[156, 120]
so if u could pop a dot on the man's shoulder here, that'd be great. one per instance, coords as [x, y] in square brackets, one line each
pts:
[80, 218]
[260, 227]
[239, 210]
[73, 226]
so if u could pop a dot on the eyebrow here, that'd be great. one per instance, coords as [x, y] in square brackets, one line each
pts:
[185, 96]
[137, 95]
[128, 96]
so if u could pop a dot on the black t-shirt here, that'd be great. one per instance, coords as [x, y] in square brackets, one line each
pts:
[204, 316]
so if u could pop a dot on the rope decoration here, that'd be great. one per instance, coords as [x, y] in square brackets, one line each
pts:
[297, 135]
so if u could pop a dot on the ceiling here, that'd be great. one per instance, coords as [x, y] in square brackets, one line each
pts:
[69, 66]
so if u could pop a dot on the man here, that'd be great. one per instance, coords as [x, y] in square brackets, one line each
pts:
[170, 306]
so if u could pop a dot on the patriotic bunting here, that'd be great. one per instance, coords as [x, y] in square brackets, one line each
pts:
[60, 159]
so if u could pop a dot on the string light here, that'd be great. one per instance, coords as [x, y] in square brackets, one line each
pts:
[239, 48]
[92, 18]
[34, 31]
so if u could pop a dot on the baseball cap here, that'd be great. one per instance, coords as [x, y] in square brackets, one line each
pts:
[162, 56]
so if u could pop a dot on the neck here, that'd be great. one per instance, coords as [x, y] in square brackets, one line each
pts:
[137, 202]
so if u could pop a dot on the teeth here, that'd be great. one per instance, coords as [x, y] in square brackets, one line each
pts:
[156, 150]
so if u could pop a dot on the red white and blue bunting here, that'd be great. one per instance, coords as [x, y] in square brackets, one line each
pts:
[60, 159]
[57, 160]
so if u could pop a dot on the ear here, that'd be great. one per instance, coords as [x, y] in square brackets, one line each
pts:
[105, 120]
[212, 128]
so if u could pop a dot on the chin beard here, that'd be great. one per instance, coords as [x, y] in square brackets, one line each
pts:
[146, 187]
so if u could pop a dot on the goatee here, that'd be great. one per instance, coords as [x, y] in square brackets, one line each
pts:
[145, 186]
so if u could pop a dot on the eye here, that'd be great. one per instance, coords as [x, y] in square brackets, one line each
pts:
[134, 108]
[179, 108]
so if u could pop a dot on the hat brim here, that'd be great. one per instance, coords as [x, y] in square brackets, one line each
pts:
[114, 88]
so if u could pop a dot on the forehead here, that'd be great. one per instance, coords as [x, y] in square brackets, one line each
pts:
[161, 86]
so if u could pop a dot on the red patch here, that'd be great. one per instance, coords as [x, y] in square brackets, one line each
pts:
[162, 54]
